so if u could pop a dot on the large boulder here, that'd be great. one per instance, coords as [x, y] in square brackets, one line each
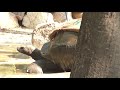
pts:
[32, 19]
[8, 20]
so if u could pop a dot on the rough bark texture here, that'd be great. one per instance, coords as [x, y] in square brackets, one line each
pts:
[98, 49]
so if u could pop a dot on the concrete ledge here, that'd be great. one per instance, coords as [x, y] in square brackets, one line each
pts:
[53, 75]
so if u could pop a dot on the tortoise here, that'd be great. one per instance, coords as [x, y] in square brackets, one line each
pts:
[41, 64]
[61, 47]
[56, 55]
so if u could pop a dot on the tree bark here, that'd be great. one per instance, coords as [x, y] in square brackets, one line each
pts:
[98, 48]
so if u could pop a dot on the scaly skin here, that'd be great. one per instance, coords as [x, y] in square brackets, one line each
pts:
[41, 64]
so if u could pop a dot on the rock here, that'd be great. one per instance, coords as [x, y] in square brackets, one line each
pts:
[72, 24]
[41, 32]
[76, 15]
[63, 16]
[8, 20]
[20, 14]
[59, 16]
[69, 16]
[32, 19]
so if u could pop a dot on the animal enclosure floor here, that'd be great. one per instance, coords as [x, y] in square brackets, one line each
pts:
[12, 63]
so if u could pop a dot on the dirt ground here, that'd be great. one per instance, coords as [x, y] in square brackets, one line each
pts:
[12, 63]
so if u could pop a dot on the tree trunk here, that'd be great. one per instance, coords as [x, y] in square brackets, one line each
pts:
[98, 48]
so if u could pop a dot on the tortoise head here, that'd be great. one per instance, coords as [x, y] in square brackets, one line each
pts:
[25, 50]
